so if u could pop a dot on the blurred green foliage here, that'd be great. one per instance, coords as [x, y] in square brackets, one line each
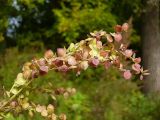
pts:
[102, 95]
[43, 24]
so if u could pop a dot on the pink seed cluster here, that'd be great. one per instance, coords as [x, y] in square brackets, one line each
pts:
[98, 49]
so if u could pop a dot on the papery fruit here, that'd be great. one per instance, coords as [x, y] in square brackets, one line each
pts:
[34, 74]
[103, 53]
[128, 53]
[57, 62]
[117, 37]
[63, 68]
[136, 67]
[127, 74]
[99, 44]
[71, 61]
[41, 62]
[44, 113]
[137, 60]
[61, 52]
[43, 70]
[48, 54]
[94, 62]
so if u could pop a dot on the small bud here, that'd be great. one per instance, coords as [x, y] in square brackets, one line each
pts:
[118, 28]
[53, 117]
[50, 108]
[26, 66]
[98, 37]
[66, 95]
[69, 90]
[109, 38]
[62, 117]
[30, 113]
[84, 65]
[85, 54]
[61, 52]
[48, 54]
[137, 60]
[123, 47]
[125, 27]
[141, 77]
[27, 74]
[73, 91]
[25, 105]
[39, 108]
[44, 113]
[13, 104]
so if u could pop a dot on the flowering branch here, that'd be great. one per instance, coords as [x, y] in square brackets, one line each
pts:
[100, 48]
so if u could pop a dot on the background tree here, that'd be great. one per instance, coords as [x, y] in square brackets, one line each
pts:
[151, 44]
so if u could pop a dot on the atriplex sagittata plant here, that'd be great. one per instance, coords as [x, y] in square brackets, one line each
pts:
[99, 49]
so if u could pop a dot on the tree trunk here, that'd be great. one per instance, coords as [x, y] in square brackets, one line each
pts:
[151, 45]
